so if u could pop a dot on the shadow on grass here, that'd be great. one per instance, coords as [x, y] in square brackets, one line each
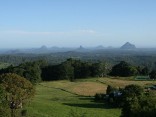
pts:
[86, 98]
[92, 104]
[91, 99]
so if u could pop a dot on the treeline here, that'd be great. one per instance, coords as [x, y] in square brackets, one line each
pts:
[70, 69]
[30, 70]
[73, 69]
[125, 69]
[17, 59]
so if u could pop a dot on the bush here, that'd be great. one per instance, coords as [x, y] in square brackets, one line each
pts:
[110, 89]
[137, 103]
[99, 97]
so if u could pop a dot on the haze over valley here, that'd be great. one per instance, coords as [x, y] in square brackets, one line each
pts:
[78, 58]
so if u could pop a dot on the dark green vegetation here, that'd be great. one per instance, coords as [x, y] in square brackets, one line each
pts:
[74, 95]
[4, 107]
[137, 103]
[74, 69]
[14, 93]
[137, 57]
[29, 70]
[133, 100]
[153, 74]
[124, 69]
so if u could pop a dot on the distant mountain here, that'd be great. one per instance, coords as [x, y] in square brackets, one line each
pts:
[55, 49]
[44, 50]
[81, 49]
[43, 47]
[99, 47]
[128, 45]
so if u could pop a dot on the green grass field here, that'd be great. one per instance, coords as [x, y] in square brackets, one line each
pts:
[75, 99]
[64, 99]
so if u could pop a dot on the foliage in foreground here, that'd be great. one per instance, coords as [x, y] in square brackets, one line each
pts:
[137, 103]
[16, 91]
[4, 107]
[132, 99]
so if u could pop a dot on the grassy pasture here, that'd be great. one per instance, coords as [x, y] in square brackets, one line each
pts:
[63, 98]
[122, 82]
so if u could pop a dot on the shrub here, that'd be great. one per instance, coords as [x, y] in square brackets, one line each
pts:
[99, 97]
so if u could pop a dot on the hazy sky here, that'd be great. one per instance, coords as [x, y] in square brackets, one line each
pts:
[70, 23]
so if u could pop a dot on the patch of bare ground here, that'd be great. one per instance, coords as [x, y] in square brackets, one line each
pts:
[88, 88]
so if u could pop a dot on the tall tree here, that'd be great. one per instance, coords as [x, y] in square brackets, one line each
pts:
[18, 90]
[4, 107]
[137, 103]
[152, 74]
[123, 69]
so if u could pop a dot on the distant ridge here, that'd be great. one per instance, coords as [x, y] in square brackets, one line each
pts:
[99, 47]
[128, 45]
[81, 49]
[43, 47]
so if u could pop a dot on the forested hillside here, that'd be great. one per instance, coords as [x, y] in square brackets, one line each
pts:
[84, 74]
[140, 57]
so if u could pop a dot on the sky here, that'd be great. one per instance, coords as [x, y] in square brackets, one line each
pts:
[71, 23]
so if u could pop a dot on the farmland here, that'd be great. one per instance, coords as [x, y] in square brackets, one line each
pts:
[67, 99]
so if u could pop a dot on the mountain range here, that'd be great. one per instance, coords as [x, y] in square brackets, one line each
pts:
[55, 49]
[128, 45]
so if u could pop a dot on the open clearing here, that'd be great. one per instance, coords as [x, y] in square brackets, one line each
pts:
[63, 98]
[122, 82]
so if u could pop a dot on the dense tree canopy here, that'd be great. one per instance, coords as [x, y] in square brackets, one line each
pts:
[137, 103]
[152, 74]
[133, 100]
[4, 107]
[18, 89]
[29, 70]
[131, 91]
[123, 69]
[138, 58]
[74, 69]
